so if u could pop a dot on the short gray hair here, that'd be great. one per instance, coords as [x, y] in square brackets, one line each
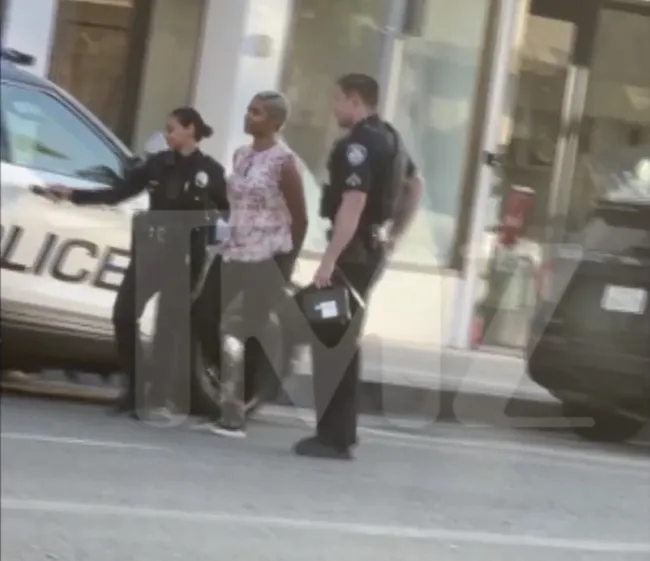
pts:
[277, 106]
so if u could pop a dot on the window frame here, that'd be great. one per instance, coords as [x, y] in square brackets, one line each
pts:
[5, 149]
[113, 148]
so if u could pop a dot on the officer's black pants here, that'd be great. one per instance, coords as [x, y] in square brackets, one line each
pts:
[159, 370]
[261, 286]
[127, 310]
[337, 363]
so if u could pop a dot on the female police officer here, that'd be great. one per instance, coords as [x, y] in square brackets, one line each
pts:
[180, 178]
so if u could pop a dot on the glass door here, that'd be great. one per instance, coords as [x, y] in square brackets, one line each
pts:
[616, 117]
[583, 90]
[528, 169]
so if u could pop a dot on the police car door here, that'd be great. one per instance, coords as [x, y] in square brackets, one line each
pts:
[61, 263]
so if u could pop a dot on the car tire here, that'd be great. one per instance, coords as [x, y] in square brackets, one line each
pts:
[205, 395]
[607, 426]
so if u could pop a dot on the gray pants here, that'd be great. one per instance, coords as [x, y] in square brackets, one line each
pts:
[233, 311]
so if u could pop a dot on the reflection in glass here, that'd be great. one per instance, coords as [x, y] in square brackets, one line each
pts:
[621, 175]
[352, 31]
[612, 137]
[174, 35]
[615, 130]
[436, 86]
[45, 135]
[539, 69]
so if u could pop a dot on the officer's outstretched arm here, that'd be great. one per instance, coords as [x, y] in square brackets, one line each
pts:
[132, 184]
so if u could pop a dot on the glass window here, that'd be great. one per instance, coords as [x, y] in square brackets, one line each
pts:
[175, 31]
[617, 105]
[326, 40]
[44, 134]
[436, 80]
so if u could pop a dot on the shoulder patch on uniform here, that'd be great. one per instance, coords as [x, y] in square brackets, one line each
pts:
[356, 154]
[201, 179]
[353, 181]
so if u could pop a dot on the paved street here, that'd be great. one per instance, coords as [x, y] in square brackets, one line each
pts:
[77, 486]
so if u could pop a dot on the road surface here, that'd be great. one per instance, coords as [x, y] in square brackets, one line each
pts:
[80, 486]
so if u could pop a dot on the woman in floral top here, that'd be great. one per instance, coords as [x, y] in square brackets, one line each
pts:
[267, 225]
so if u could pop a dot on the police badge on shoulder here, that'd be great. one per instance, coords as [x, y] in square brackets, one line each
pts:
[356, 154]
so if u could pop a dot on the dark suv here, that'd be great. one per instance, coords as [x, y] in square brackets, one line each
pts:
[590, 343]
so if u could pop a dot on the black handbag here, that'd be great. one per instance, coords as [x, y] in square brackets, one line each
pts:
[329, 305]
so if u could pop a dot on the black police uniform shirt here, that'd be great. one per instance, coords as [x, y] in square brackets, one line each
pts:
[364, 160]
[174, 182]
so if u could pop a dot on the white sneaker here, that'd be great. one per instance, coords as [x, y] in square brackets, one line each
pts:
[227, 432]
[232, 421]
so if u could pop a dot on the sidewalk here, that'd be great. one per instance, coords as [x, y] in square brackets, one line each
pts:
[440, 383]
[397, 381]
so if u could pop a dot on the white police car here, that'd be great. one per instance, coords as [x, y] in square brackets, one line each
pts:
[61, 264]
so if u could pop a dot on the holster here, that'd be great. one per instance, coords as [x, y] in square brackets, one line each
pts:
[362, 248]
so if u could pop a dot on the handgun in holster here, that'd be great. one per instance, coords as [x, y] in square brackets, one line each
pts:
[364, 245]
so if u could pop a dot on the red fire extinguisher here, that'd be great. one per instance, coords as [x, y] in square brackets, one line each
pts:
[517, 207]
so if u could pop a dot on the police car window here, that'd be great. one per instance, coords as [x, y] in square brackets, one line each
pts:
[44, 134]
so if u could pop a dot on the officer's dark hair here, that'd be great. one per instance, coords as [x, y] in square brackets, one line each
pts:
[187, 116]
[365, 86]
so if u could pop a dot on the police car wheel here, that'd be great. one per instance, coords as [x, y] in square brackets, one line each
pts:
[607, 426]
[205, 389]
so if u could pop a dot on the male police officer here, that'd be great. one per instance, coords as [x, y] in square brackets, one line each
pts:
[181, 178]
[371, 197]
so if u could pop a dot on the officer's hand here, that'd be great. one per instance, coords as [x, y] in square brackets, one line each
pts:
[58, 193]
[323, 275]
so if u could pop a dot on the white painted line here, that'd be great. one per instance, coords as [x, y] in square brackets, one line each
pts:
[351, 529]
[457, 441]
[78, 441]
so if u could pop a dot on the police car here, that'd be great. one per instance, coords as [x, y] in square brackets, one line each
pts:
[590, 343]
[61, 264]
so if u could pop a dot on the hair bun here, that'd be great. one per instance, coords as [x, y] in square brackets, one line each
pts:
[206, 131]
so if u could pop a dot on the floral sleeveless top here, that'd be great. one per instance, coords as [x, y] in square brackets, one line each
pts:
[260, 224]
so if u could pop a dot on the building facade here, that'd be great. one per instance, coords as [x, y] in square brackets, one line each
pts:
[460, 80]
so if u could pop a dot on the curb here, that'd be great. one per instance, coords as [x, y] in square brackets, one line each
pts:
[60, 390]
[432, 403]
[375, 399]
